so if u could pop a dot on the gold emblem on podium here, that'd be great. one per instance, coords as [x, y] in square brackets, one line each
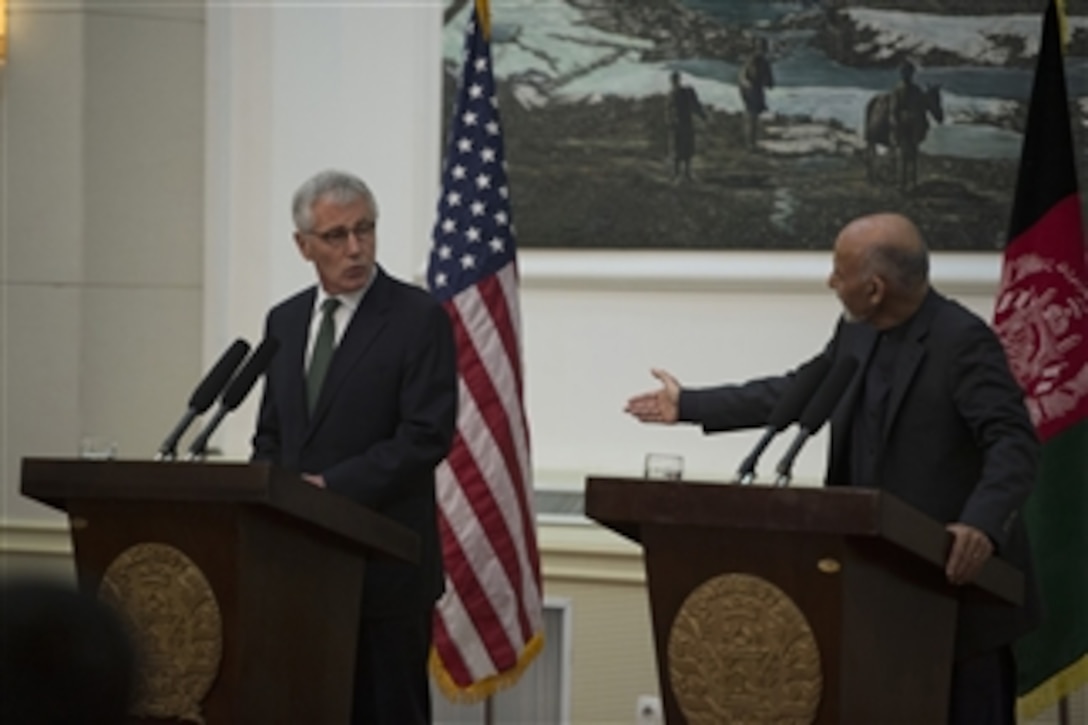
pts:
[741, 651]
[171, 612]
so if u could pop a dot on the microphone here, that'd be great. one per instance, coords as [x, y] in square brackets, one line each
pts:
[236, 392]
[816, 414]
[204, 395]
[786, 411]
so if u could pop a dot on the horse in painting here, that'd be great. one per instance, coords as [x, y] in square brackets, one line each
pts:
[899, 120]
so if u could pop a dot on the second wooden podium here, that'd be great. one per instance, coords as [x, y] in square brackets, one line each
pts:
[241, 583]
[794, 605]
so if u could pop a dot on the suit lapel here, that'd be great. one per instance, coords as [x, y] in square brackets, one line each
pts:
[910, 358]
[293, 351]
[365, 326]
[858, 341]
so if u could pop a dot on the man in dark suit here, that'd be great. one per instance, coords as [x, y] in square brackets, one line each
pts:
[361, 400]
[933, 416]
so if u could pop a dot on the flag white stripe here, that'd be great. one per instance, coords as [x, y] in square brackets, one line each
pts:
[502, 485]
[468, 530]
[460, 628]
[479, 326]
[507, 277]
[479, 441]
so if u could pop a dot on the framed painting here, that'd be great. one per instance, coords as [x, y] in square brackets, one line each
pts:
[764, 124]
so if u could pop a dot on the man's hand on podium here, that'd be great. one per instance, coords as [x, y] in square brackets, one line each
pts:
[970, 550]
[657, 406]
[314, 480]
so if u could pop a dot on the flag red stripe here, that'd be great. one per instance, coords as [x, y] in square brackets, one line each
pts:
[476, 489]
[526, 510]
[494, 298]
[485, 620]
[449, 653]
[476, 492]
[479, 382]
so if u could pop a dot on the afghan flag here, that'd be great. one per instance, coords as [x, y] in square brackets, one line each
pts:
[1041, 316]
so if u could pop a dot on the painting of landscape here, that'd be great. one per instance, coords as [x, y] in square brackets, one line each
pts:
[764, 124]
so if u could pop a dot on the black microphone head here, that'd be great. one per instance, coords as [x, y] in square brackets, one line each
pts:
[257, 363]
[217, 378]
[800, 390]
[823, 402]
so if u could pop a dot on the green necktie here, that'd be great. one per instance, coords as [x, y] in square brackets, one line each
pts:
[322, 353]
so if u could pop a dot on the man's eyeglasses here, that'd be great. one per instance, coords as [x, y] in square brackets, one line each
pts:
[338, 237]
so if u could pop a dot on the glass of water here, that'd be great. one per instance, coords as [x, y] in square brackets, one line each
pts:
[666, 466]
[97, 448]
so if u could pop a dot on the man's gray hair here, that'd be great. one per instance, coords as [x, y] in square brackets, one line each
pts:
[904, 268]
[339, 187]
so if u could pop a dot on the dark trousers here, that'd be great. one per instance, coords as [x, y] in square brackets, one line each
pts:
[391, 682]
[984, 690]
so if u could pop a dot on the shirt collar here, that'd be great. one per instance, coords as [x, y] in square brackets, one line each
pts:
[349, 300]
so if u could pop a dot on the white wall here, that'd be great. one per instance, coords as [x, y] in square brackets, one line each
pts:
[291, 92]
[100, 260]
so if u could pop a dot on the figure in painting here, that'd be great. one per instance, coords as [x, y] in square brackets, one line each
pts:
[683, 107]
[755, 77]
[899, 119]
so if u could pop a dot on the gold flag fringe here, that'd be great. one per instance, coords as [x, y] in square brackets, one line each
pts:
[485, 688]
[1061, 684]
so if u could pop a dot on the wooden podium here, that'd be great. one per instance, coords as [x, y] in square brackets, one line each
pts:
[769, 605]
[240, 582]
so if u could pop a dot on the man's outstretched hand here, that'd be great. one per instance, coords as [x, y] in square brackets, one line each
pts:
[657, 406]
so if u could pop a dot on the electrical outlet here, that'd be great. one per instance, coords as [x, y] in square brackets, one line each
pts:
[648, 710]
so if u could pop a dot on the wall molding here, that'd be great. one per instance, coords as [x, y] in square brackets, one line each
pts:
[583, 551]
[35, 537]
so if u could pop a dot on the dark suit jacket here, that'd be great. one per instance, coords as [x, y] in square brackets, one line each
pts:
[385, 418]
[957, 443]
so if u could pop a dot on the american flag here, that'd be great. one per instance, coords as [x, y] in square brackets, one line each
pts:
[488, 626]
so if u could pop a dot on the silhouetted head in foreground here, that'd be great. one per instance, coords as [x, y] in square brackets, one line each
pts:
[64, 658]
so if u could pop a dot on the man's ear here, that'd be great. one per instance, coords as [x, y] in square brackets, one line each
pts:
[877, 289]
[303, 246]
